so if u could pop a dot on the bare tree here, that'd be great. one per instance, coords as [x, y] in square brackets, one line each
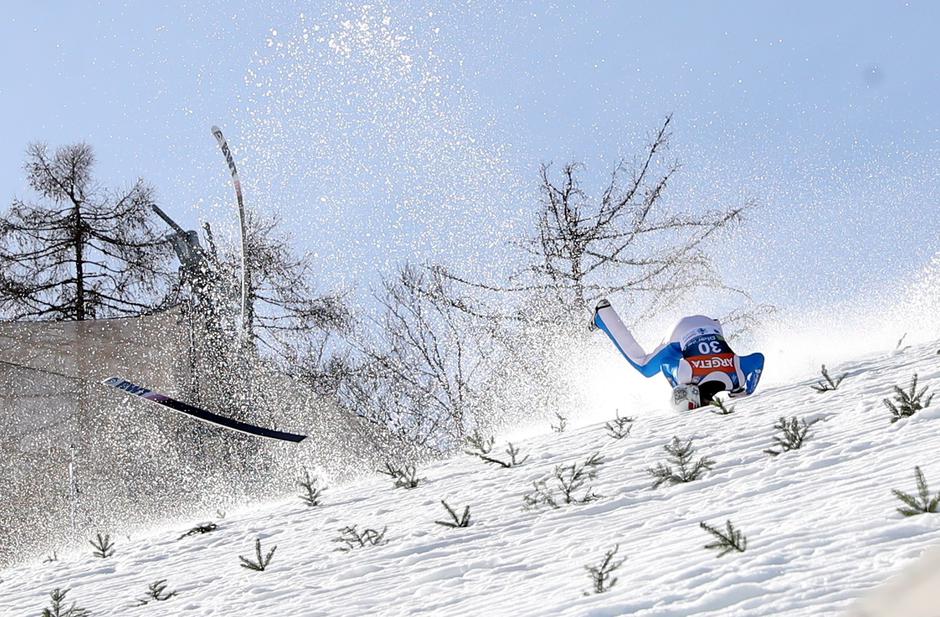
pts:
[626, 241]
[288, 321]
[420, 372]
[82, 252]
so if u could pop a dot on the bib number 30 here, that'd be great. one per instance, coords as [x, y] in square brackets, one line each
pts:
[712, 347]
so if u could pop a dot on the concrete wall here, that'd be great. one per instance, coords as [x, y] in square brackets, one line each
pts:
[81, 457]
[50, 372]
[66, 442]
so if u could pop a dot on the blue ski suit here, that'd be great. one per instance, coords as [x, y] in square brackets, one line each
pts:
[696, 352]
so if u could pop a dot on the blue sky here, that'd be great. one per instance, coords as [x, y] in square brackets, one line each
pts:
[414, 130]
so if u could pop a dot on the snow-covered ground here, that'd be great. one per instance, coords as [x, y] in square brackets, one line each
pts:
[821, 525]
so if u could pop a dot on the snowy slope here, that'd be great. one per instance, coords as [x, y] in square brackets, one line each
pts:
[821, 525]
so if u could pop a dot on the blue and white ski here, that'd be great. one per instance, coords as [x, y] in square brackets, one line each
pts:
[200, 414]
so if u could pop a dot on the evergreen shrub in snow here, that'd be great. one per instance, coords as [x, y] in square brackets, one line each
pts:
[104, 547]
[58, 609]
[260, 563]
[156, 593]
[600, 575]
[730, 540]
[568, 484]
[791, 437]
[827, 383]
[718, 407]
[352, 538]
[923, 503]
[514, 460]
[404, 477]
[478, 445]
[907, 403]
[312, 492]
[619, 427]
[457, 521]
[199, 529]
[682, 469]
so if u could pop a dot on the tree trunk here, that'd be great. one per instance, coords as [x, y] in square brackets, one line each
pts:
[78, 238]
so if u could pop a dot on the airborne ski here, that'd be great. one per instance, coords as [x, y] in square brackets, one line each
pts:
[230, 161]
[200, 414]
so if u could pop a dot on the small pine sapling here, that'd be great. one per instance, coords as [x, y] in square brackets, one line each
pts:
[103, 545]
[685, 470]
[717, 406]
[562, 423]
[156, 593]
[827, 383]
[791, 437]
[260, 563]
[458, 521]
[58, 609]
[478, 445]
[352, 538]
[907, 403]
[572, 485]
[513, 461]
[405, 477]
[600, 575]
[618, 428]
[731, 540]
[923, 504]
[312, 492]
[199, 529]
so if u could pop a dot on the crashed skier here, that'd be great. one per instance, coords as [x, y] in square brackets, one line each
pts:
[695, 359]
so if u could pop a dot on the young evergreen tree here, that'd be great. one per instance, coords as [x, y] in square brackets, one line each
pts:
[907, 402]
[81, 251]
[718, 407]
[923, 503]
[57, 607]
[792, 434]
[619, 427]
[200, 529]
[312, 492]
[352, 538]
[260, 563]
[478, 445]
[103, 545]
[685, 470]
[157, 592]
[572, 485]
[601, 574]
[514, 460]
[456, 521]
[730, 540]
[827, 383]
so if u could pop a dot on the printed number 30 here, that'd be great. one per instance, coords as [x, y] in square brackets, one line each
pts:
[712, 347]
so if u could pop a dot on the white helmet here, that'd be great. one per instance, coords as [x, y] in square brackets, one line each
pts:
[685, 398]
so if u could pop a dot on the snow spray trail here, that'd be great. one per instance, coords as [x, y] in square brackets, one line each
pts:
[796, 343]
[357, 129]
[885, 322]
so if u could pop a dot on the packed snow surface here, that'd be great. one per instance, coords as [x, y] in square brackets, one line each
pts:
[821, 524]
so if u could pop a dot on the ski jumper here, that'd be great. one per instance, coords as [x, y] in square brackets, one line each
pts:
[695, 352]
